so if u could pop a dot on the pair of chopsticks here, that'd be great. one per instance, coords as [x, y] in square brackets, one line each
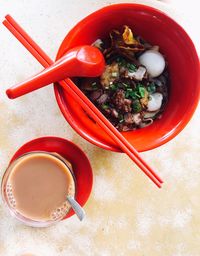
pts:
[84, 102]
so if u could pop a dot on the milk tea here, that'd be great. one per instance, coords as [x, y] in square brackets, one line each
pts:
[38, 184]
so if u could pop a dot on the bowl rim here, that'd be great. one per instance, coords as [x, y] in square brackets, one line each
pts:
[59, 94]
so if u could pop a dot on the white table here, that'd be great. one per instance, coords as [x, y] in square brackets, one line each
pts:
[126, 214]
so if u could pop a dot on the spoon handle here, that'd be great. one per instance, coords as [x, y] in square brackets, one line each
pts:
[76, 207]
[81, 61]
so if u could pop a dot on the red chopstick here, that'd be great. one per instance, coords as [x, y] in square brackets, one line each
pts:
[74, 91]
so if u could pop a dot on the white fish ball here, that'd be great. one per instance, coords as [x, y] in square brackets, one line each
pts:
[153, 61]
[155, 102]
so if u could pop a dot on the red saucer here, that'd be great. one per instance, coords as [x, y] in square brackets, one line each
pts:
[80, 163]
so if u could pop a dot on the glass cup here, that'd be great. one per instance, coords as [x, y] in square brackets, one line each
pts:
[8, 199]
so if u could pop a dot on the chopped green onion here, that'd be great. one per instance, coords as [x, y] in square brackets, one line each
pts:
[113, 87]
[126, 94]
[151, 88]
[126, 85]
[132, 94]
[121, 61]
[131, 67]
[105, 106]
[136, 106]
[121, 118]
[94, 85]
[135, 95]
[142, 91]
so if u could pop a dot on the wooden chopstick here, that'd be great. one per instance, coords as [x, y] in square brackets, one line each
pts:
[74, 91]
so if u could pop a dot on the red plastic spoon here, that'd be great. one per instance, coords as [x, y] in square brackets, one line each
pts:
[85, 61]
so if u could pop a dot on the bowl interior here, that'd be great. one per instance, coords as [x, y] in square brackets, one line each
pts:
[183, 64]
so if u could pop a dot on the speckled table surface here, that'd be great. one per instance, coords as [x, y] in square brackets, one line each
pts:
[126, 214]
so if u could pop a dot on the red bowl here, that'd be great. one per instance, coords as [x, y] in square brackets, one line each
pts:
[159, 29]
[81, 166]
